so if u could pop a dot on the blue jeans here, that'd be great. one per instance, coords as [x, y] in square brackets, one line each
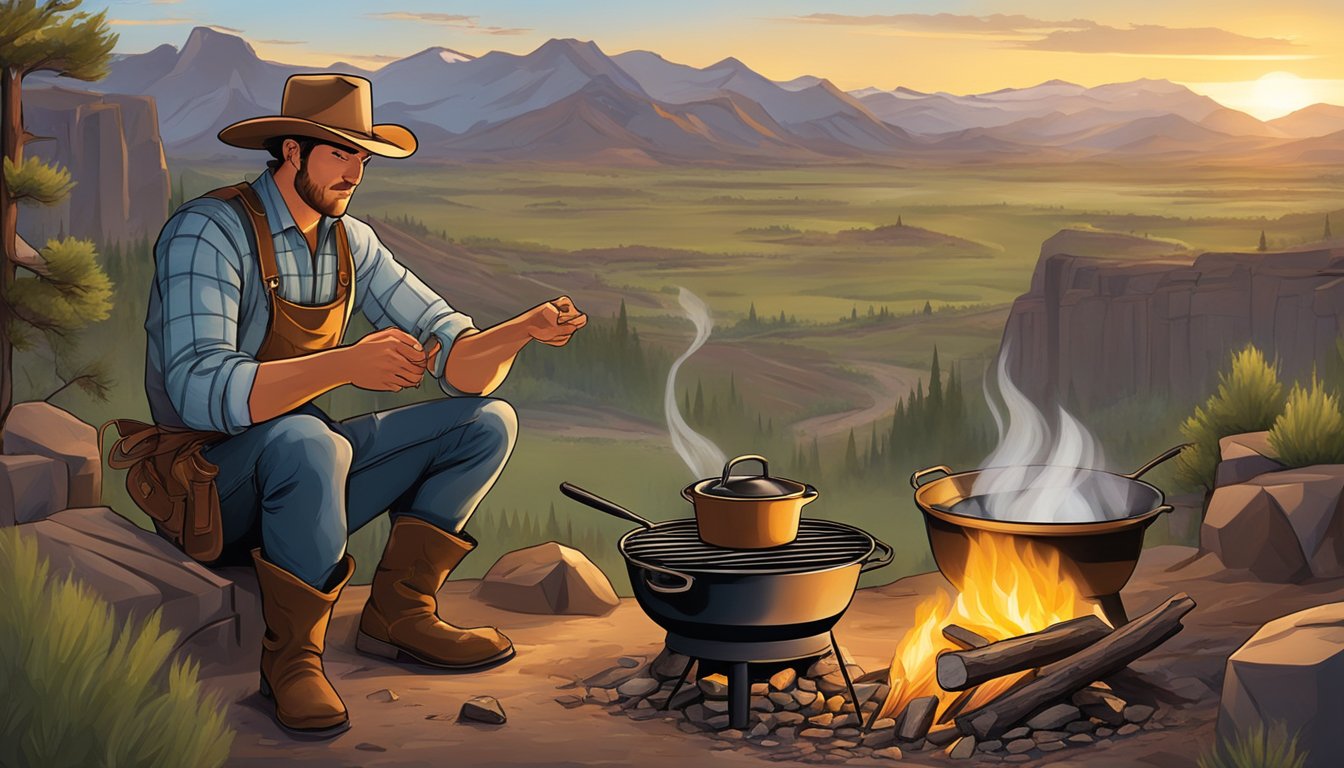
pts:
[303, 482]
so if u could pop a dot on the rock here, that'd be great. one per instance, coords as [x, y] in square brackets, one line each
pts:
[1103, 706]
[1081, 726]
[824, 666]
[549, 578]
[136, 571]
[717, 722]
[45, 430]
[759, 730]
[630, 662]
[715, 706]
[1103, 733]
[832, 684]
[1290, 674]
[789, 718]
[1051, 746]
[1080, 738]
[1138, 713]
[668, 665]
[1127, 729]
[806, 684]
[879, 738]
[824, 720]
[369, 747]
[890, 753]
[637, 686]
[31, 488]
[784, 679]
[843, 721]
[816, 733]
[915, 721]
[993, 745]
[1054, 717]
[689, 694]
[569, 701]
[1014, 734]
[942, 735]
[1020, 746]
[603, 695]
[610, 677]
[1041, 737]
[1244, 457]
[864, 692]
[714, 686]
[696, 713]
[384, 695]
[835, 703]
[483, 709]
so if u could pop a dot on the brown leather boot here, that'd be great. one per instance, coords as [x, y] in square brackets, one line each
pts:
[291, 655]
[400, 620]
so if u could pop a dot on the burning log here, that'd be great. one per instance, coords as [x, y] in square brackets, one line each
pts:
[1111, 653]
[964, 638]
[959, 670]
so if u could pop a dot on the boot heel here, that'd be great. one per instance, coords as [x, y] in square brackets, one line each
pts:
[366, 643]
[266, 688]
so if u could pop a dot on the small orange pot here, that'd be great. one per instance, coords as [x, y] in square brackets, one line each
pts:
[748, 511]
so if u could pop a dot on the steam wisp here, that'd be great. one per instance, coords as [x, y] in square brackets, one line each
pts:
[1037, 474]
[702, 457]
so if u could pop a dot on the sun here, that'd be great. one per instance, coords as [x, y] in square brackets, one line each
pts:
[1278, 93]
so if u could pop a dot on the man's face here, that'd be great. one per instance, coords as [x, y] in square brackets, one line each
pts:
[328, 176]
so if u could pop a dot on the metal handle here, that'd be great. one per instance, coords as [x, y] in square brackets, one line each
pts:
[921, 474]
[887, 554]
[1165, 508]
[1169, 454]
[810, 493]
[765, 466]
[686, 581]
[590, 499]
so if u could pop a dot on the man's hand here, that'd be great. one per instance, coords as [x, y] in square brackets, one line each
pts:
[389, 360]
[555, 321]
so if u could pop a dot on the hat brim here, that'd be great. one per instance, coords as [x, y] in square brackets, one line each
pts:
[388, 140]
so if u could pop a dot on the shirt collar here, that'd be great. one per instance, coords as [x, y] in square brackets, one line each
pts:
[277, 213]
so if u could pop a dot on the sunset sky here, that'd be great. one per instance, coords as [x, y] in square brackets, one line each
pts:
[1222, 49]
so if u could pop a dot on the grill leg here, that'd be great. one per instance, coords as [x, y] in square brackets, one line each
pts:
[1114, 610]
[680, 681]
[739, 695]
[853, 697]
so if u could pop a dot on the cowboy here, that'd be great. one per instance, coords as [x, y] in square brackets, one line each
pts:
[253, 289]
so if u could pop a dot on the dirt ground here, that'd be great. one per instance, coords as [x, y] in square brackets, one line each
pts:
[420, 727]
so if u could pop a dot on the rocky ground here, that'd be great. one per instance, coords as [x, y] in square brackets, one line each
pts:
[409, 716]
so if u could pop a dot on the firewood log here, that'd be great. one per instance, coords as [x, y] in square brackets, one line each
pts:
[959, 670]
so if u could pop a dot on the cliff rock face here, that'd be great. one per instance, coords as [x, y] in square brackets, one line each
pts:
[1099, 329]
[110, 143]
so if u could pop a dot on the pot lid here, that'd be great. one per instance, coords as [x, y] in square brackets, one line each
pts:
[761, 486]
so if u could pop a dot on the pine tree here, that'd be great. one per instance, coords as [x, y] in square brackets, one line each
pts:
[782, 319]
[851, 456]
[1326, 235]
[68, 289]
[1263, 246]
[935, 385]
[899, 223]
[751, 315]
[698, 409]
[622, 327]
[928, 308]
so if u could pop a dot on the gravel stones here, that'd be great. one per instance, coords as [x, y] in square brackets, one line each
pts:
[714, 686]
[962, 748]
[915, 721]
[637, 686]
[483, 709]
[784, 679]
[1054, 717]
[1138, 713]
[1020, 746]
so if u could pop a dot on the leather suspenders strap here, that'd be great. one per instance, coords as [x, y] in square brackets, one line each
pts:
[261, 230]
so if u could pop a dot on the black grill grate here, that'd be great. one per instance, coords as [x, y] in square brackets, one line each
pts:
[821, 544]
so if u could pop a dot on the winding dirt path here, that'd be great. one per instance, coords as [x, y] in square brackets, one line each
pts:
[890, 382]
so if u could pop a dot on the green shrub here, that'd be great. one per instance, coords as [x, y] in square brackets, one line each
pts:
[1249, 398]
[83, 688]
[1257, 749]
[1311, 428]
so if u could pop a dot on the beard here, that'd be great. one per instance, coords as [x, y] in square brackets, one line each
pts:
[324, 200]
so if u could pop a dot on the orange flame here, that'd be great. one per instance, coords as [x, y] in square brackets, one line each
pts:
[1010, 588]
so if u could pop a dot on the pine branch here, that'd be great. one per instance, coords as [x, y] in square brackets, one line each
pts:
[37, 181]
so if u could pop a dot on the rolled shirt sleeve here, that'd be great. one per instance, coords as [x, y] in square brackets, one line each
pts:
[391, 295]
[199, 279]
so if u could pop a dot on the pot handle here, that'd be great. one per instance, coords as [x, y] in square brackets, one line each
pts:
[685, 585]
[921, 474]
[1169, 454]
[765, 466]
[810, 493]
[883, 560]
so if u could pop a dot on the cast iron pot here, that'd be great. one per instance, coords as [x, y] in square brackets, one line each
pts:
[761, 604]
[748, 511]
[1100, 555]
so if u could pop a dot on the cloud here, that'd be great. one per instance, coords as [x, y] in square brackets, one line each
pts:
[1072, 36]
[948, 23]
[220, 28]
[281, 42]
[456, 20]
[1149, 39]
[148, 22]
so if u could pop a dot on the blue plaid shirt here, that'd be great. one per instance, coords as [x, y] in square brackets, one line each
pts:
[208, 310]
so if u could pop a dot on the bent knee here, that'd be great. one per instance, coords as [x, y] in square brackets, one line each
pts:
[309, 441]
[497, 420]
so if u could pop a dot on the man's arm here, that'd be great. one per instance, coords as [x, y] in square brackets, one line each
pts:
[479, 361]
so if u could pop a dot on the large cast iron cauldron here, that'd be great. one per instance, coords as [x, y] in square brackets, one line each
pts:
[1101, 555]
[743, 605]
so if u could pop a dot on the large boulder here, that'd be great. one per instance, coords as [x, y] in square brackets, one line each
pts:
[1283, 526]
[1290, 674]
[548, 578]
[1244, 457]
[138, 572]
[31, 488]
[43, 429]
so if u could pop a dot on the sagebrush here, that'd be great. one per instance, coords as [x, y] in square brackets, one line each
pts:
[1260, 747]
[1249, 399]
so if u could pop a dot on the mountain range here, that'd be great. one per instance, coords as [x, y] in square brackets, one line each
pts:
[568, 101]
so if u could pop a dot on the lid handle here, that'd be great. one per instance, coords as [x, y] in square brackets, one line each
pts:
[727, 468]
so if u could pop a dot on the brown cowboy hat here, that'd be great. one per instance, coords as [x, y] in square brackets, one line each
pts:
[336, 108]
